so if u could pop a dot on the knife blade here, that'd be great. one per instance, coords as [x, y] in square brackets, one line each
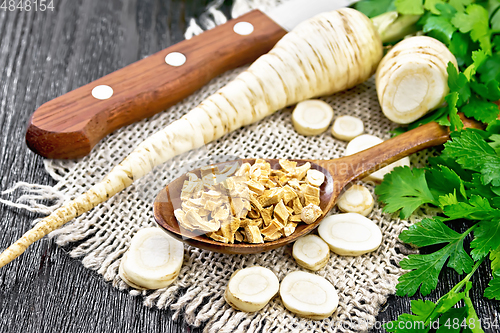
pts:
[69, 126]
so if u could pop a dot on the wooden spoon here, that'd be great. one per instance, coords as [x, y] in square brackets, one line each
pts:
[339, 174]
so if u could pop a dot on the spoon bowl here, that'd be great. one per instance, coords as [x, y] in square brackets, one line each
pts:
[339, 173]
[169, 199]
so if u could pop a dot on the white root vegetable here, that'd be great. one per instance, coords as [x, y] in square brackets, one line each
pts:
[366, 141]
[310, 213]
[329, 53]
[312, 117]
[315, 177]
[311, 252]
[356, 199]
[153, 260]
[347, 128]
[308, 295]
[250, 289]
[411, 79]
[350, 234]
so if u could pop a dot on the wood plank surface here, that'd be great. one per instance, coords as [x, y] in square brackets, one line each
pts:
[43, 55]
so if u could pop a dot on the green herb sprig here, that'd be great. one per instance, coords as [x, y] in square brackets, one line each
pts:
[463, 180]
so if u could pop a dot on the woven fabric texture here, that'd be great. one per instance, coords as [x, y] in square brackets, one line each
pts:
[101, 236]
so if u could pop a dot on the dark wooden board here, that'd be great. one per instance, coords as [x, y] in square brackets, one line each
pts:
[43, 55]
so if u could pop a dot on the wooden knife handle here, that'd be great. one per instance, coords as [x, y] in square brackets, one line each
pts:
[71, 125]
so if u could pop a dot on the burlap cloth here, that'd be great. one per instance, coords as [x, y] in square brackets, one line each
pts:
[103, 234]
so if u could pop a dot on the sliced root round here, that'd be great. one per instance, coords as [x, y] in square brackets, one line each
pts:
[315, 177]
[411, 79]
[350, 234]
[311, 252]
[153, 260]
[366, 141]
[312, 117]
[310, 213]
[250, 289]
[357, 199]
[308, 295]
[347, 128]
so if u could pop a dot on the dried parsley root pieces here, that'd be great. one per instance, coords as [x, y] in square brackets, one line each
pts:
[256, 205]
[310, 213]
[357, 199]
[311, 252]
[250, 289]
[412, 79]
[350, 234]
[308, 295]
[366, 141]
[153, 260]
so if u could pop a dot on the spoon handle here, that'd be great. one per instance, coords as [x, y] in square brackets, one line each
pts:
[387, 152]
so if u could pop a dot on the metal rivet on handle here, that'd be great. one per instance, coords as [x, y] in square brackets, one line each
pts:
[175, 59]
[243, 28]
[102, 92]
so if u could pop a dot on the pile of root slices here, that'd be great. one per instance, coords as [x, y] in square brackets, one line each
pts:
[254, 205]
[154, 260]
[304, 293]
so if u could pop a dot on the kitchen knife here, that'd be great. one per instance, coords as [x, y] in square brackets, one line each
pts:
[69, 126]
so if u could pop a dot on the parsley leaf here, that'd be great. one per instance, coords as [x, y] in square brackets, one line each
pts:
[440, 116]
[440, 24]
[410, 7]
[480, 110]
[486, 237]
[459, 46]
[373, 8]
[477, 208]
[495, 259]
[495, 143]
[422, 309]
[472, 320]
[457, 314]
[460, 5]
[489, 91]
[412, 191]
[450, 162]
[442, 313]
[459, 84]
[472, 152]
[426, 267]
[455, 122]
[434, 231]
[493, 289]
[496, 43]
[475, 20]
[429, 232]
[444, 181]
[478, 58]
[475, 187]
[493, 127]
[430, 5]
[490, 69]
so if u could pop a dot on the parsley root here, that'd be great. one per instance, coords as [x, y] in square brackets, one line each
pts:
[329, 53]
[411, 79]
